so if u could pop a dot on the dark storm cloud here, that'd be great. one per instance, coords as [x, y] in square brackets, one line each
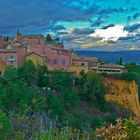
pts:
[130, 38]
[113, 10]
[99, 21]
[110, 25]
[126, 38]
[82, 31]
[133, 27]
[129, 18]
[136, 16]
[41, 13]
[24, 13]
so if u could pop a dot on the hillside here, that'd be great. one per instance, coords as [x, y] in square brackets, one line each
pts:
[39, 104]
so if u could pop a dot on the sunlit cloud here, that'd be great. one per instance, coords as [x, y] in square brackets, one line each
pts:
[111, 33]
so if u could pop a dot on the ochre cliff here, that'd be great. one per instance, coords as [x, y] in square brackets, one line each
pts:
[124, 93]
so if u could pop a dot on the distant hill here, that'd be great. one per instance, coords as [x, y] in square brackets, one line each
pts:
[113, 56]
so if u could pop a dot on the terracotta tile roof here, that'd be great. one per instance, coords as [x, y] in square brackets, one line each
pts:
[10, 50]
[83, 58]
[111, 65]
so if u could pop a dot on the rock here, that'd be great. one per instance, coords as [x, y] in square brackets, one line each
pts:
[124, 93]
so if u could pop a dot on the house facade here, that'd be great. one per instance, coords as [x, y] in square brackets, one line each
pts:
[30, 39]
[36, 58]
[13, 56]
[58, 57]
[52, 54]
[111, 68]
[80, 63]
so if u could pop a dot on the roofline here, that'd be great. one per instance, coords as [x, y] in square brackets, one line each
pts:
[36, 53]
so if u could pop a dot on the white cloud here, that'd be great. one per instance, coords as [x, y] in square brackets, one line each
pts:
[111, 33]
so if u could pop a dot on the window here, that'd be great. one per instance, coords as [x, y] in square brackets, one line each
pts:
[12, 58]
[63, 61]
[59, 52]
[54, 61]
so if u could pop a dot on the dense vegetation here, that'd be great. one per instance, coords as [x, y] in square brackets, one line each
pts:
[38, 104]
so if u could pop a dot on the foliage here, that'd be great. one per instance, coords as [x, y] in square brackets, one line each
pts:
[123, 130]
[55, 105]
[94, 90]
[49, 38]
[11, 72]
[133, 67]
[132, 129]
[27, 71]
[17, 96]
[33, 97]
[42, 76]
[97, 122]
[70, 98]
[77, 119]
[68, 133]
[120, 63]
[60, 80]
[5, 126]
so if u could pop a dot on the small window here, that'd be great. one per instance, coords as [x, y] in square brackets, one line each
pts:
[12, 58]
[59, 52]
[54, 61]
[63, 61]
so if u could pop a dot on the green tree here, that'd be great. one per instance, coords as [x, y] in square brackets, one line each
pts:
[60, 80]
[19, 97]
[49, 38]
[55, 105]
[121, 61]
[27, 71]
[69, 97]
[117, 62]
[42, 76]
[11, 72]
[5, 126]
[94, 89]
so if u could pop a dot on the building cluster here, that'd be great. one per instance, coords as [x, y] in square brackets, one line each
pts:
[13, 51]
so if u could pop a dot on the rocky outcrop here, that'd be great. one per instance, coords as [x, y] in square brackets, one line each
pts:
[124, 93]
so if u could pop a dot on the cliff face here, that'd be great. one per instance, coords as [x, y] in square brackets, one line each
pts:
[123, 92]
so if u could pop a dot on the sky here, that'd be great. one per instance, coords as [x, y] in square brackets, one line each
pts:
[80, 24]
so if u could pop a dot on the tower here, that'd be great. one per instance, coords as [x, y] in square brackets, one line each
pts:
[18, 35]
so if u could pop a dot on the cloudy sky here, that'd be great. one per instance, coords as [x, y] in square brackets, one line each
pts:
[81, 24]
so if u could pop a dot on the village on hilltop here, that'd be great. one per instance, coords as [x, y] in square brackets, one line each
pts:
[49, 52]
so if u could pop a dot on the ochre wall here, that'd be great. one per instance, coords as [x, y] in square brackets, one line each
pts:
[123, 92]
[36, 59]
[78, 69]
[2, 66]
